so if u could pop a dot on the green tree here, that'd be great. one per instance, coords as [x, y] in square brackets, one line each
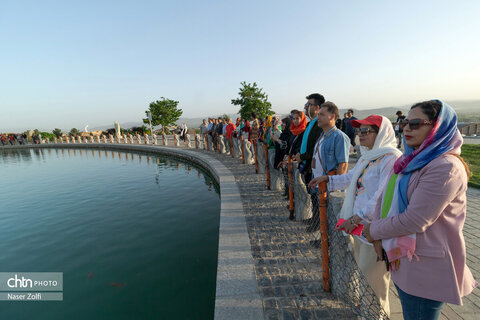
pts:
[252, 99]
[164, 112]
[140, 130]
[57, 132]
[110, 131]
[74, 132]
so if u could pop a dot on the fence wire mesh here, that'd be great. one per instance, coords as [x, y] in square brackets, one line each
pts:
[344, 277]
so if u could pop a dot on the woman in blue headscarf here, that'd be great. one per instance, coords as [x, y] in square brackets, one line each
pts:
[420, 217]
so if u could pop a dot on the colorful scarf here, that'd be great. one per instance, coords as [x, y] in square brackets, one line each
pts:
[296, 130]
[303, 146]
[443, 138]
[269, 122]
[385, 143]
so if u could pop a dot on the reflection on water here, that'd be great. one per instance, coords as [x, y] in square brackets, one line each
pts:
[25, 156]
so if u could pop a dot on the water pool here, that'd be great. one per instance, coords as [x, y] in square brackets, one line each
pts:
[136, 236]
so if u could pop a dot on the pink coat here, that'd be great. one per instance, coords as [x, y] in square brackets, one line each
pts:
[436, 213]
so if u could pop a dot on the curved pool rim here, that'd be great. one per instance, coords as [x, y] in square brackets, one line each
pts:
[236, 295]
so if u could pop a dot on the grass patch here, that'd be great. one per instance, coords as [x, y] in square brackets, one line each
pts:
[471, 154]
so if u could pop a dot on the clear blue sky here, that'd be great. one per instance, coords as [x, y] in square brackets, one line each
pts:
[70, 63]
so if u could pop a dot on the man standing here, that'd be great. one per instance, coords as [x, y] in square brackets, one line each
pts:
[330, 153]
[349, 130]
[255, 125]
[212, 132]
[398, 128]
[229, 130]
[220, 126]
[203, 128]
[310, 136]
[209, 126]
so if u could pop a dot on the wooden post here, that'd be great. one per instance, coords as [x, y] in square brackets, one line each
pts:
[256, 157]
[267, 166]
[290, 187]
[163, 138]
[468, 130]
[243, 151]
[322, 197]
[195, 137]
[185, 138]
[476, 128]
[174, 139]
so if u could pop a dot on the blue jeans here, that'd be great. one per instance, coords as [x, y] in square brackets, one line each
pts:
[416, 308]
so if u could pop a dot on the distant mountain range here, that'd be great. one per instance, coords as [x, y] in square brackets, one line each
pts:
[470, 108]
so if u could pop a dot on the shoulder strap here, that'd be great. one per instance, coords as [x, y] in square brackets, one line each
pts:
[387, 199]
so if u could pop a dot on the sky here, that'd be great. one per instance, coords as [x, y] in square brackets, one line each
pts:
[71, 63]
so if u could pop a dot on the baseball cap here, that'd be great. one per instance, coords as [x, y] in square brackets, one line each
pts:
[369, 121]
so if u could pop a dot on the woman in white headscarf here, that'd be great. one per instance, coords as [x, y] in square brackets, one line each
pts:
[365, 183]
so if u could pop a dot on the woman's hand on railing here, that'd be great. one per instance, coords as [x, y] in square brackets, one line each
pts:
[316, 181]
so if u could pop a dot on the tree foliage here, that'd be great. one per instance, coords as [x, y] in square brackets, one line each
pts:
[252, 99]
[140, 130]
[164, 112]
[57, 132]
[74, 132]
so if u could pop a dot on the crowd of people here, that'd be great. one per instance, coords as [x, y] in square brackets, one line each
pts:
[13, 139]
[411, 204]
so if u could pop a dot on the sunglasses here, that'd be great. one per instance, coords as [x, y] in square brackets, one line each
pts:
[363, 131]
[414, 123]
[308, 104]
